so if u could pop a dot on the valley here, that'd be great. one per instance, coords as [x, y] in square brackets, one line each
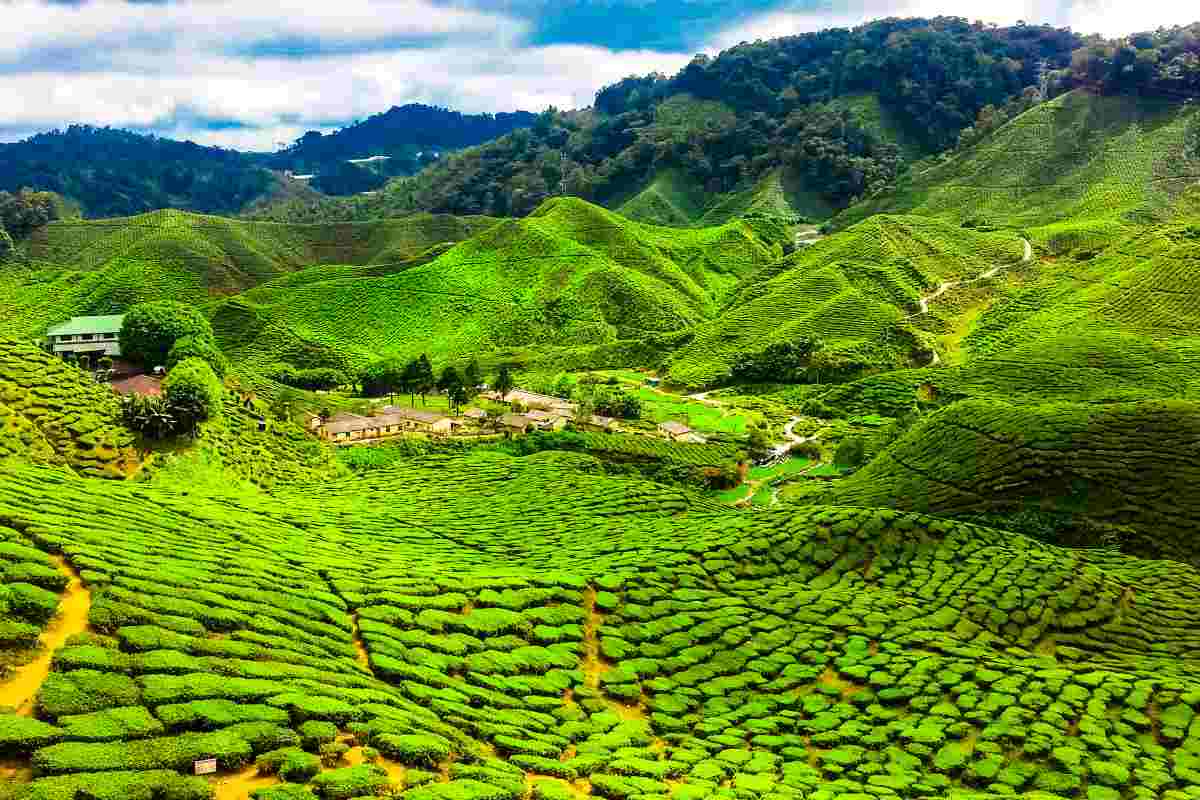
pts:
[670, 486]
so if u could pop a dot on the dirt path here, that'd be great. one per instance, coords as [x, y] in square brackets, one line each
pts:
[21, 689]
[924, 302]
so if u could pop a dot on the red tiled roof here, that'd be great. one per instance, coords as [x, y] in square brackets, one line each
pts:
[138, 384]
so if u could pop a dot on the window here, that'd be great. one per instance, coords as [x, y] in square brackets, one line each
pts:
[86, 337]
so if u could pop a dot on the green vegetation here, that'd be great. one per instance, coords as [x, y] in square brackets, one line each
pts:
[940, 542]
[150, 331]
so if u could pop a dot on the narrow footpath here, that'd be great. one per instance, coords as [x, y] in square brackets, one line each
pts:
[20, 691]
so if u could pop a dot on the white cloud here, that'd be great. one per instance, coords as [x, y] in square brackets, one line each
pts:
[1108, 17]
[178, 64]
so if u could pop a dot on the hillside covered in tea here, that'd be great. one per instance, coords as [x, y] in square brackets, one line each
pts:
[675, 495]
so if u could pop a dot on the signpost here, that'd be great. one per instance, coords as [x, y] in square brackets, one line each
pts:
[206, 766]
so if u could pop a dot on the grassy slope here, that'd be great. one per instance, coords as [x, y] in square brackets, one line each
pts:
[79, 267]
[1095, 162]
[848, 289]
[569, 274]
[782, 650]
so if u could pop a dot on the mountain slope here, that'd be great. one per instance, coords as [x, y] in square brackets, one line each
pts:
[855, 291]
[98, 266]
[569, 274]
[1089, 159]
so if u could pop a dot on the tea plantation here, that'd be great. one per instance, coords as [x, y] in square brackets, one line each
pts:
[528, 625]
[974, 575]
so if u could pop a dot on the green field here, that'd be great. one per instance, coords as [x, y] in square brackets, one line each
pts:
[976, 575]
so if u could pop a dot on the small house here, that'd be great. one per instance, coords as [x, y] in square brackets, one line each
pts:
[546, 420]
[678, 432]
[516, 423]
[97, 336]
[476, 414]
[543, 402]
[422, 421]
[653, 382]
[600, 424]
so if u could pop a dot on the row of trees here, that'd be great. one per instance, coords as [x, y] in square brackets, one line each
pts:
[392, 376]
[24, 211]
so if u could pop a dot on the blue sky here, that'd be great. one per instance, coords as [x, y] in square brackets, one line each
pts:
[252, 74]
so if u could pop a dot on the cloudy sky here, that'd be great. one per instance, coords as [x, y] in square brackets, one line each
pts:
[255, 73]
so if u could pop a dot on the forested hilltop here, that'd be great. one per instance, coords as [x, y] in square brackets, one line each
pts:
[410, 137]
[110, 173]
[803, 124]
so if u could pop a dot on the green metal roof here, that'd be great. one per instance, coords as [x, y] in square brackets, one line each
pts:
[77, 325]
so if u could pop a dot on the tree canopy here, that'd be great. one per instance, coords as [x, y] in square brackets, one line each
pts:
[202, 347]
[194, 394]
[150, 330]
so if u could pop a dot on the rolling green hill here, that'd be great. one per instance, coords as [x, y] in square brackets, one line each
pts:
[569, 274]
[854, 290]
[1076, 162]
[100, 266]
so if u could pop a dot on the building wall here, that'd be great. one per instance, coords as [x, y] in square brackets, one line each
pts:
[110, 347]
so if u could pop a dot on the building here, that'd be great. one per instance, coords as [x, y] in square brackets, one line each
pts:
[653, 382]
[543, 402]
[393, 421]
[93, 336]
[476, 414]
[516, 423]
[600, 424]
[678, 432]
[546, 420]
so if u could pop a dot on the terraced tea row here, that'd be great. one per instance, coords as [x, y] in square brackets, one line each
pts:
[533, 622]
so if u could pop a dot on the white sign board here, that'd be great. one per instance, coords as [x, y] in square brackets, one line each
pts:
[205, 766]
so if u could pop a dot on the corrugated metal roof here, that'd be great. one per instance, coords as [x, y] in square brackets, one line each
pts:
[79, 325]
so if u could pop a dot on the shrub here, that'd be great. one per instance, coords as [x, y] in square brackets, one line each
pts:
[150, 330]
[414, 749]
[332, 753]
[313, 379]
[290, 763]
[31, 602]
[128, 722]
[198, 347]
[315, 733]
[83, 691]
[193, 394]
[362, 780]
[23, 734]
[283, 791]
[174, 752]
[6, 244]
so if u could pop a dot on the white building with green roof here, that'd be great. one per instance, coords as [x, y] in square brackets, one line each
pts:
[92, 335]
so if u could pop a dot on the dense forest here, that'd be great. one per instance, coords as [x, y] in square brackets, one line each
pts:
[412, 136]
[758, 106]
[117, 173]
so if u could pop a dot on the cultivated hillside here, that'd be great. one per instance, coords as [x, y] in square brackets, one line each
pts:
[1084, 158]
[499, 626]
[104, 266]
[569, 274]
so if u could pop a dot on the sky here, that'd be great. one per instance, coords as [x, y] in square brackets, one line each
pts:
[256, 74]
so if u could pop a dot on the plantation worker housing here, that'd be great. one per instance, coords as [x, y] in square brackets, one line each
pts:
[392, 421]
[90, 336]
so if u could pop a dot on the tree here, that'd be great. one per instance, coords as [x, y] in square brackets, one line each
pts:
[456, 394]
[449, 378]
[472, 377]
[199, 347]
[386, 376]
[504, 382]
[150, 330]
[758, 444]
[423, 377]
[850, 453]
[194, 394]
[149, 415]
[6, 244]
[284, 404]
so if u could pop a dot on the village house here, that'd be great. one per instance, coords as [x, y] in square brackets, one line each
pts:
[92, 336]
[678, 432]
[599, 424]
[476, 414]
[545, 420]
[346, 427]
[541, 402]
[516, 423]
